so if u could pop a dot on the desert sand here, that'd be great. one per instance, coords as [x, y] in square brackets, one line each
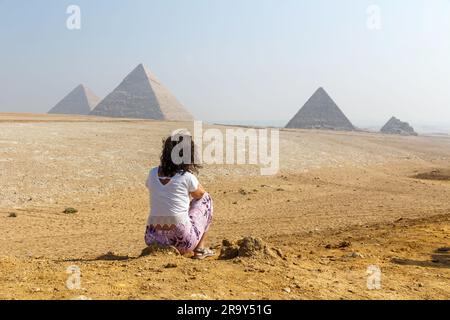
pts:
[342, 201]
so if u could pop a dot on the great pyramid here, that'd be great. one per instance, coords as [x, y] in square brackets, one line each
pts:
[320, 112]
[80, 100]
[141, 95]
[395, 126]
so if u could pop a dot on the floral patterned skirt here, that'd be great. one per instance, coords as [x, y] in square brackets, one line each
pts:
[185, 237]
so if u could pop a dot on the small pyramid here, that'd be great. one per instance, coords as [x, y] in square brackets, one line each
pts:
[80, 100]
[141, 95]
[395, 126]
[320, 112]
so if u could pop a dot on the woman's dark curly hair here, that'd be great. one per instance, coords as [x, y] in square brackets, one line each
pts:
[174, 161]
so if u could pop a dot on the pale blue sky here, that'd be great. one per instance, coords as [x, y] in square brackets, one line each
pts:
[246, 60]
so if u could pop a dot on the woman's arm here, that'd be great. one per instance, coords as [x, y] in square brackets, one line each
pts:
[198, 194]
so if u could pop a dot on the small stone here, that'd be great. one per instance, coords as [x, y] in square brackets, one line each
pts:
[344, 244]
[355, 255]
[287, 290]
[12, 215]
[242, 192]
[171, 266]
[279, 253]
[70, 210]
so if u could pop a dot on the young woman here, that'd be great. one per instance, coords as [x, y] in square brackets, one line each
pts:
[180, 209]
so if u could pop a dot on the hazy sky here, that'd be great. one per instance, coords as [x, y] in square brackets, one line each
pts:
[225, 60]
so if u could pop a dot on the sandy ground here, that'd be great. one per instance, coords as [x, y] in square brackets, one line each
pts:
[385, 197]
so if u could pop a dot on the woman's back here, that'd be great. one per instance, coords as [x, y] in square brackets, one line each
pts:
[170, 201]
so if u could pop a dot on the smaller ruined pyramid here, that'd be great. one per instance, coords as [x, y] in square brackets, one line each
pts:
[80, 101]
[395, 126]
[141, 95]
[320, 112]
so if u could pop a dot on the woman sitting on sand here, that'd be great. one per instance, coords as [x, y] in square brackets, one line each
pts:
[176, 220]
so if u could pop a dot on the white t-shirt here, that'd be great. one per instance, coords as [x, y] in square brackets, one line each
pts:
[169, 203]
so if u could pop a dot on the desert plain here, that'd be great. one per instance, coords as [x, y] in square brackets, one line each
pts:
[341, 203]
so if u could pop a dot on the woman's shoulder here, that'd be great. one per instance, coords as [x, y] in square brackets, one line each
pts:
[188, 175]
[154, 169]
[190, 178]
[153, 172]
[151, 177]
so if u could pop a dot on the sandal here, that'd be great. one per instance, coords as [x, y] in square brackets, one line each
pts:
[203, 253]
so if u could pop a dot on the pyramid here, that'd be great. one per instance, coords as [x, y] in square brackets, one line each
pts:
[80, 100]
[141, 95]
[395, 126]
[320, 112]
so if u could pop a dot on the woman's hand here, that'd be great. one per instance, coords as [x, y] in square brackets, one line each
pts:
[198, 194]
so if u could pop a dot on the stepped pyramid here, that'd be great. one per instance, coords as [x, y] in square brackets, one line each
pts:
[141, 95]
[395, 126]
[80, 101]
[320, 112]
